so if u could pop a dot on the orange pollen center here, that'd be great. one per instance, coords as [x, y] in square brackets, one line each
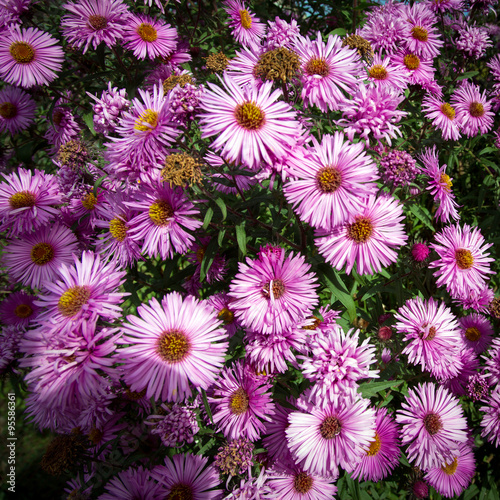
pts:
[302, 482]
[173, 346]
[361, 230]
[95, 435]
[97, 22]
[226, 315]
[22, 52]
[420, 34]
[118, 229]
[147, 32]
[23, 311]
[329, 179]
[239, 401]
[277, 287]
[89, 201]
[8, 110]
[42, 253]
[412, 61]
[450, 469]
[147, 121]
[374, 446]
[432, 423]
[314, 325]
[445, 182]
[378, 72]
[23, 199]
[246, 20]
[330, 427]
[464, 258]
[200, 253]
[448, 111]
[317, 67]
[72, 300]
[180, 492]
[249, 116]
[476, 109]
[473, 334]
[160, 212]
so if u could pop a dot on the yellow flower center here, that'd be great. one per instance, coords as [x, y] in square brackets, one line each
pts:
[23, 199]
[239, 401]
[118, 229]
[464, 258]
[450, 469]
[42, 253]
[72, 300]
[89, 201]
[8, 110]
[226, 315]
[180, 492]
[378, 72]
[160, 212]
[302, 482]
[473, 334]
[445, 182]
[97, 22]
[476, 109]
[448, 111]
[249, 116]
[317, 67]
[375, 446]
[246, 20]
[420, 34]
[411, 61]
[361, 230]
[23, 311]
[330, 427]
[147, 32]
[173, 346]
[22, 52]
[329, 179]
[147, 121]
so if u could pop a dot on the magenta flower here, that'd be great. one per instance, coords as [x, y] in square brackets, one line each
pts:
[172, 345]
[368, 237]
[469, 366]
[473, 41]
[29, 57]
[329, 181]
[275, 436]
[242, 67]
[420, 252]
[133, 483]
[442, 116]
[17, 110]
[492, 362]
[420, 70]
[491, 418]
[64, 128]
[18, 310]
[246, 27]
[476, 332]
[280, 33]
[421, 37]
[108, 109]
[384, 73]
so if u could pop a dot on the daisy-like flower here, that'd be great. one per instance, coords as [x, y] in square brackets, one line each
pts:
[421, 37]
[440, 185]
[463, 263]
[477, 300]
[433, 335]
[420, 70]
[11, 10]
[29, 57]
[327, 70]
[242, 68]
[476, 332]
[491, 418]
[188, 476]
[445, 5]
[382, 456]
[93, 22]
[329, 181]
[131, 484]
[453, 477]
[273, 293]
[442, 116]
[240, 403]
[433, 425]
[17, 110]
[34, 259]
[382, 72]
[368, 238]
[148, 37]
[108, 109]
[18, 310]
[275, 437]
[322, 439]
[253, 125]
[473, 110]
[172, 345]
[26, 201]
[246, 27]
[63, 129]
[91, 205]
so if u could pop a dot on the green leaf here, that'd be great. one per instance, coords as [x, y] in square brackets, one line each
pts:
[88, 118]
[222, 206]
[241, 237]
[208, 258]
[422, 214]
[220, 238]
[208, 217]
[207, 406]
[468, 74]
[335, 285]
[338, 31]
[370, 389]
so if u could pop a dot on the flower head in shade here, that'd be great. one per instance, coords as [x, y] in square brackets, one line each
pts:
[477, 300]
[433, 425]
[253, 487]
[29, 57]
[321, 440]
[63, 129]
[184, 347]
[221, 303]
[275, 437]
[34, 258]
[11, 10]
[235, 457]
[477, 386]
[455, 475]
[246, 27]
[440, 185]
[398, 167]
[273, 293]
[240, 403]
[10, 337]
[188, 476]
[18, 310]
[164, 217]
[382, 456]
[91, 22]
[421, 37]
[473, 41]
[327, 70]
[473, 110]
[468, 364]
[463, 263]
[384, 73]
[491, 418]
[476, 332]
[432, 334]
[108, 109]
[442, 116]
[492, 363]
[253, 126]
[368, 238]
[17, 110]
[148, 37]
[329, 181]
[27, 201]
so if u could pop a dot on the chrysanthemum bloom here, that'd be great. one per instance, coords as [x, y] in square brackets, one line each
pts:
[29, 57]
[280, 33]
[18, 310]
[445, 5]
[384, 73]
[329, 181]
[336, 363]
[368, 238]
[491, 418]
[492, 362]
[439, 186]
[17, 110]
[34, 259]
[149, 37]
[473, 110]
[86, 290]
[246, 27]
[382, 456]
[188, 476]
[108, 109]
[131, 484]
[453, 477]
[473, 41]
[494, 65]
[253, 125]
[164, 217]
[433, 425]
[327, 70]
[398, 168]
[235, 457]
[273, 293]
[93, 22]
[463, 262]
[323, 323]
[372, 113]
[476, 332]
[420, 70]
[172, 345]
[253, 487]
[421, 37]
[240, 403]
[477, 300]
[468, 364]
[442, 116]
[321, 440]
[433, 335]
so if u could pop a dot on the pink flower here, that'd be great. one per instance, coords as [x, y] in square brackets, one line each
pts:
[246, 27]
[17, 110]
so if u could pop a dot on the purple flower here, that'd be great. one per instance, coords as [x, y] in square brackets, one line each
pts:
[442, 116]
[235, 457]
[493, 363]
[108, 109]
[17, 110]
[281, 34]
[420, 252]
[398, 167]
[491, 418]
[383, 73]
[473, 41]
[421, 37]
[476, 332]
[18, 310]
[246, 27]
[133, 483]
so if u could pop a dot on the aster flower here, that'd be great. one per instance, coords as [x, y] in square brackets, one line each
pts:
[243, 67]
[468, 364]
[235, 457]
[322, 439]
[433, 425]
[253, 125]
[148, 37]
[273, 293]
[18, 310]
[275, 437]
[421, 37]
[64, 128]
[445, 5]
[171, 345]
[442, 116]
[398, 168]
[27, 201]
[10, 337]
[327, 70]
[108, 109]
[329, 181]
[240, 402]
[29, 57]
[383, 73]
[221, 303]
[93, 22]
[476, 332]
[11, 10]
[368, 237]
[473, 41]
[463, 262]
[492, 363]
[477, 387]
[473, 110]
[440, 185]
[433, 335]
[382, 456]
[246, 27]
[89, 205]
[421, 71]
[280, 33]
[17, 110]
[477, 300]
[494, 65]
[131, 484]
[491, 418]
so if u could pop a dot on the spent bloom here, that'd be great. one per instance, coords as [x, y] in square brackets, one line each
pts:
[235, 457]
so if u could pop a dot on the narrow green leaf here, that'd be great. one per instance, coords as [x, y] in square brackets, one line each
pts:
[88, 118]
[207, 406]
[334, 284]
[220, 238]
[369, 389]
[241, 237]
[468, 74]
[422, 215]
[222, 206]
[208, 258]
[208, 217]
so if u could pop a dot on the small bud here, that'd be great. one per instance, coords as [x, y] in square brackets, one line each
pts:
[419, 252]
[385, 333]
